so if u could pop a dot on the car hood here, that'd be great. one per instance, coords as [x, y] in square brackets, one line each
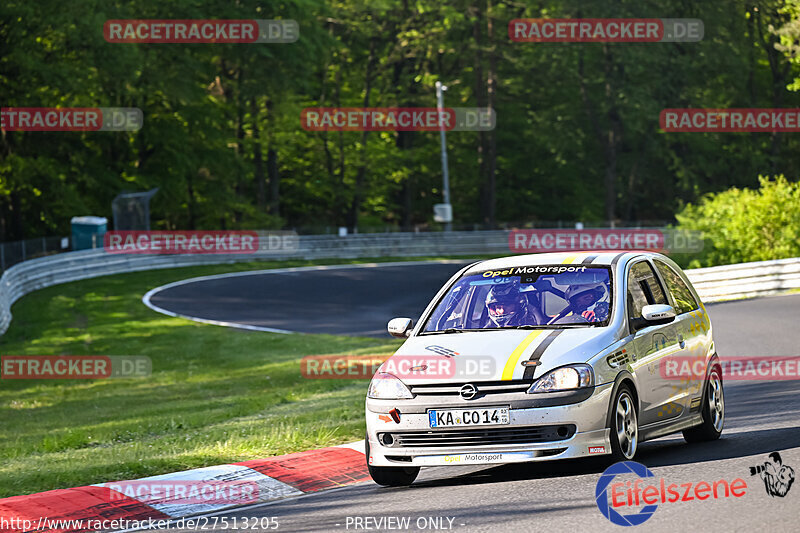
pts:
[489, 355]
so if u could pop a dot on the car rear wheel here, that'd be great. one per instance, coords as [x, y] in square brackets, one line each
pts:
[624, 426]
[390, 476]
[713, 411]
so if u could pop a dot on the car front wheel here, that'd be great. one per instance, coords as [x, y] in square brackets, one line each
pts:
[390, 476]
[624, 426]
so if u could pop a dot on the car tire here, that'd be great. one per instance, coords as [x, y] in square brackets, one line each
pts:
[390, 476]
[624, 426]
[713, 410]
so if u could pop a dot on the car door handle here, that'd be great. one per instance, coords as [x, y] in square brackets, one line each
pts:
[681, 341]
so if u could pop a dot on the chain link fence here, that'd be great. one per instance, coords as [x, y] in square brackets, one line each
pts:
[12, 253]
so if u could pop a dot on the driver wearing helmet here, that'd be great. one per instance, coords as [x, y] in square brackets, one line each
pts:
[507, 306]
[582, 297]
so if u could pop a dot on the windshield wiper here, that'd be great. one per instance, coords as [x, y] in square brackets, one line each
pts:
[448, 330]
[544, 326]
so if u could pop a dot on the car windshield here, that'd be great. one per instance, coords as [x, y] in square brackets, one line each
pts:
[538, 296]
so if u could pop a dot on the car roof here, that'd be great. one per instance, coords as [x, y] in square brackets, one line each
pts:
[590, 257]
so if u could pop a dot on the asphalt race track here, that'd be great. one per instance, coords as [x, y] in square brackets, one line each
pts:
[355, 300]
[761, 417]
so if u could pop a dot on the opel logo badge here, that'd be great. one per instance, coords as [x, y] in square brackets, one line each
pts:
[468, 391]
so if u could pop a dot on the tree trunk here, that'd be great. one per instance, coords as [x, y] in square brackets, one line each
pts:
[274, 182]
[17, 227]
[352, 219]
[609, 138]
[190, 202]
[238, 187]
[779, 68]
[491, 88]
[258, 159]
[480, 100]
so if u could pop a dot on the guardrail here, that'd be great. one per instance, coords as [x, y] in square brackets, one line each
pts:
[713, 284]
[746, 280]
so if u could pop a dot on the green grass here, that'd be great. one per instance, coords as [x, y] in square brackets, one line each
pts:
[216, 395]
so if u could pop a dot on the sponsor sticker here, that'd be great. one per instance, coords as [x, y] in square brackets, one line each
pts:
[597, 449]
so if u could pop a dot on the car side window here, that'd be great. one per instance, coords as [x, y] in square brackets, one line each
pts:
[643, 289]
[682, 296]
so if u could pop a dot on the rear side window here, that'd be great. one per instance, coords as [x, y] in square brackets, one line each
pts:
[684, 300]
[643, 289]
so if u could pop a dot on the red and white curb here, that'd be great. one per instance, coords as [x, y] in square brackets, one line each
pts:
[276, 477]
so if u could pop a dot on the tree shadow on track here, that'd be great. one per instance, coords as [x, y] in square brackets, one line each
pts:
[651, 453]
[748, 404]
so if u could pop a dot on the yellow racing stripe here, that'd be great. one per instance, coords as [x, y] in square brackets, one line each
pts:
[511, 364]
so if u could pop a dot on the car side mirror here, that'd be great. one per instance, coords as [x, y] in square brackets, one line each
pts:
[654, 315]
[400, 327]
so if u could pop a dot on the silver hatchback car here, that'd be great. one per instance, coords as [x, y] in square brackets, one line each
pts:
[543, 357]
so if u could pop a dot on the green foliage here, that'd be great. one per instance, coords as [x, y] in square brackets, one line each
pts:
[216, 395]
[217, 116]
[742, 225]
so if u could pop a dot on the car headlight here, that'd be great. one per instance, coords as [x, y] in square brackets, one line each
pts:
[388, 387]
[564, 378]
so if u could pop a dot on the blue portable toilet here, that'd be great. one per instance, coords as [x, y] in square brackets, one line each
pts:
[87, 232]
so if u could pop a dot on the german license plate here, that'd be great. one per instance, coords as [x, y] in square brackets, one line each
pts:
[485, 416]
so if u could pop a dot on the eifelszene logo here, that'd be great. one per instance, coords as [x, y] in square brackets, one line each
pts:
[606, 507]
[778, 477]
[637, 493]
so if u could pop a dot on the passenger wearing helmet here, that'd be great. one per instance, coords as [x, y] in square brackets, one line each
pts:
[507, 306]
[583, 297]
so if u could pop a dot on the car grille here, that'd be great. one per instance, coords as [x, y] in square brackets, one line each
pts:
[484, 388]
[478, 436]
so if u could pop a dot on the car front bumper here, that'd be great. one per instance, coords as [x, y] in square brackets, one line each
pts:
[586, 421]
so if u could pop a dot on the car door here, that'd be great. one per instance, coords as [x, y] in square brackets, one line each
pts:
[693, 330]
[650, 345]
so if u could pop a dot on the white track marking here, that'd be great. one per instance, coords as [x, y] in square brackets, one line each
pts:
[147, 297]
